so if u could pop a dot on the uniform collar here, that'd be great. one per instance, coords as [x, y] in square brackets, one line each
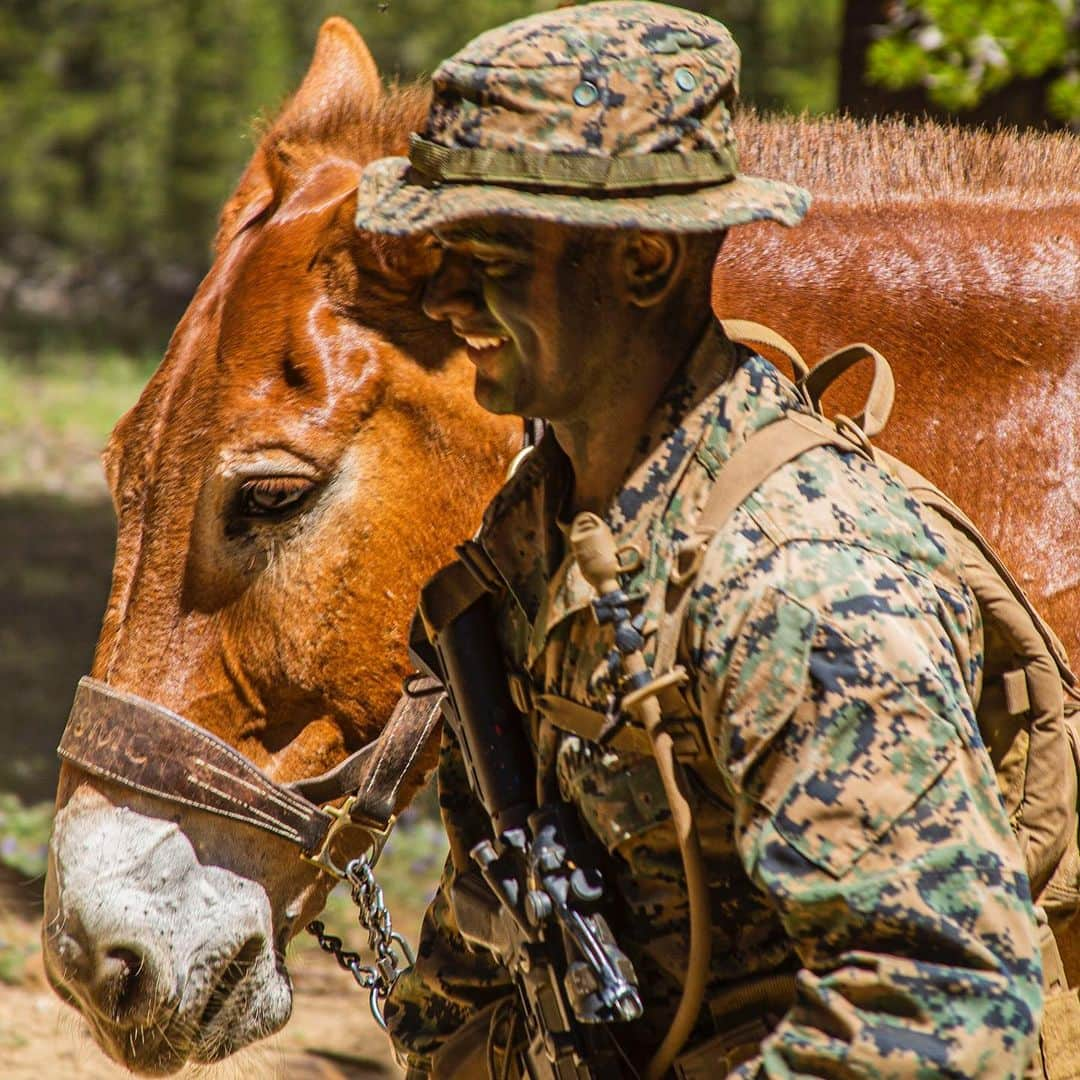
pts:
[708, 408]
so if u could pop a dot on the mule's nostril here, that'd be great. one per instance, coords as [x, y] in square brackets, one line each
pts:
[127, 966]
[121, 988]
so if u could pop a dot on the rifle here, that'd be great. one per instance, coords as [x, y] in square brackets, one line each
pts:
[536, 899]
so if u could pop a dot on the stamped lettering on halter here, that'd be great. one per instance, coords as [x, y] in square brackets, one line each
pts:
[145, 747]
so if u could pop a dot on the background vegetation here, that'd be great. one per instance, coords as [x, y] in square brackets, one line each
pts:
[124, 123]
[963, 50]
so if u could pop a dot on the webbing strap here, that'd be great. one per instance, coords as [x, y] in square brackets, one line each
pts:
[569, 715]
[767, 450]
[879, 400]
[759, 457]
[753, 333]
[814, 382]
[586, 723]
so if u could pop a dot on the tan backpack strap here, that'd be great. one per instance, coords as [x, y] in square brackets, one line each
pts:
[760, 456]
[879, 401]
[1047, 812]
[935, 498]
[586, 723]
[751, 333]
[767, 450]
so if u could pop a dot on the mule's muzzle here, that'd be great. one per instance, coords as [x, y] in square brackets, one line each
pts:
[163, 934]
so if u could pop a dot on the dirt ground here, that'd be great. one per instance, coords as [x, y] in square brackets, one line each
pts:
[331, 1035]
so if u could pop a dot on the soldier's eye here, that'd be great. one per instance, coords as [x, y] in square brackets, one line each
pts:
[498, 268]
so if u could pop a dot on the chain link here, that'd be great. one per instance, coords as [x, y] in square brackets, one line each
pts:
[389, 947]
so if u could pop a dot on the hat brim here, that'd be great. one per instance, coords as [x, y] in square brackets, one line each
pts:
[388, 203]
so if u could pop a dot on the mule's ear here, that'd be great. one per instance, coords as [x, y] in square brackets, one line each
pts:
[253, 195]
[342, 69]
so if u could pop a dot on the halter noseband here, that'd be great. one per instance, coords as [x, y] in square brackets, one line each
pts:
[143, 746]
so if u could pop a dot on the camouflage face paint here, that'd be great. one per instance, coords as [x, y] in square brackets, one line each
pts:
[538, 306]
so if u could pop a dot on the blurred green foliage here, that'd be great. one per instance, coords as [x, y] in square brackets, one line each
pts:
[24, 835]
[961, 50]
[124, 124]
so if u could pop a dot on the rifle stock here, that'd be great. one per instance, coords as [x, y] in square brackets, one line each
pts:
[536, 896]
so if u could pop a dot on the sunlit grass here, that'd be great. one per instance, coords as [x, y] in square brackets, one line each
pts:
[55, 416]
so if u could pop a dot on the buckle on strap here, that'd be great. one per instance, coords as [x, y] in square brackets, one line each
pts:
[377, 834]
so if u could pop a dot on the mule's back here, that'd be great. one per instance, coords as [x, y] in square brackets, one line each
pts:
[957, 254]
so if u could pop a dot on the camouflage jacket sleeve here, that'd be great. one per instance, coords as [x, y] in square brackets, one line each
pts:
[450, 981]
[836, 687]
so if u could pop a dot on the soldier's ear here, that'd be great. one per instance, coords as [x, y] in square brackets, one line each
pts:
[652, 262]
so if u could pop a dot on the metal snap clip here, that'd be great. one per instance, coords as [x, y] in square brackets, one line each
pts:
[684, 79]
[585, 93]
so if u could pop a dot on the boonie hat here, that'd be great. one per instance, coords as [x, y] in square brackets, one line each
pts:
[608, 114]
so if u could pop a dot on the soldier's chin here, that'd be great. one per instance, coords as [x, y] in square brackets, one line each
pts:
[494, 395]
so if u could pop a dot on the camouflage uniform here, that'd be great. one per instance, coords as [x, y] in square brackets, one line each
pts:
[851, 824]
[859, 857]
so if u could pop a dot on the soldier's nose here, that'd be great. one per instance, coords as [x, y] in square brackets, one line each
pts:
[449, 292]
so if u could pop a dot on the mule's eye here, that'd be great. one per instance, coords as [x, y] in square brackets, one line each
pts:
[273, 496]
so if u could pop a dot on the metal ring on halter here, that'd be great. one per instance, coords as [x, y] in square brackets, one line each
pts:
[343, 819]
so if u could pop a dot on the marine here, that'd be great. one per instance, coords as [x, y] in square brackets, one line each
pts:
[869, 907]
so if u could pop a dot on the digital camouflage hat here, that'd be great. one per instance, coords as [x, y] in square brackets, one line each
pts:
[606, 114]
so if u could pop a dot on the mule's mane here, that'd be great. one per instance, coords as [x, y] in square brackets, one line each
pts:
[889, 160]
[859, 162]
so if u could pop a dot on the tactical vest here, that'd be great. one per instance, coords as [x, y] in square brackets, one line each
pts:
[1029, 708]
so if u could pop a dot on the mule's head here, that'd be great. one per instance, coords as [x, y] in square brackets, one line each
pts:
[308, 451]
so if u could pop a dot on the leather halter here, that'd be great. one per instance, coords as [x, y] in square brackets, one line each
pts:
[145, 747]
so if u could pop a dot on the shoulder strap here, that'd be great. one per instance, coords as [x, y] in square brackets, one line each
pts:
[760, 456]
[752, 333]
[767, 450]
[813, 383]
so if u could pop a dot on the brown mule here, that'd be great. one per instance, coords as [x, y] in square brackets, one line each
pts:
[309, 451]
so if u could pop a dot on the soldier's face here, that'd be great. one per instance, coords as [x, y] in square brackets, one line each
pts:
[538, 307]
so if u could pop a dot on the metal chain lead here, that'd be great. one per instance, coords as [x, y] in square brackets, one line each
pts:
[383, 940]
